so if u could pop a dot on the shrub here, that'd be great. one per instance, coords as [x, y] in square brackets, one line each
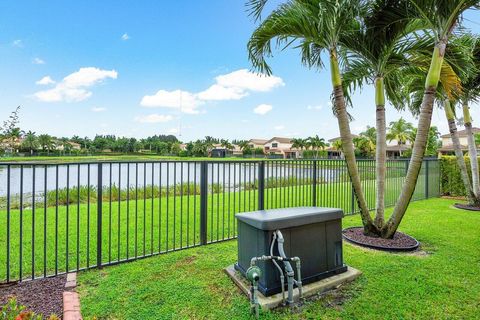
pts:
[13, 311]
[451, 180]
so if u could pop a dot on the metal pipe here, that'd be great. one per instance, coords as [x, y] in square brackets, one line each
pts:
[288, 266]
[282, 277]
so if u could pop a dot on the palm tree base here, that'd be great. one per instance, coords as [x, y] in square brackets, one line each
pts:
[399, 242]
[464, 206]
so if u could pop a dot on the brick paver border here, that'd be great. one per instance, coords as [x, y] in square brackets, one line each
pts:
[71, 301]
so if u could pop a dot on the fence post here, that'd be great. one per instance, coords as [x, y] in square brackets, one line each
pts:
[261, 185]
[426, 178]
[99, 213]
[203, 201]
[314, 184]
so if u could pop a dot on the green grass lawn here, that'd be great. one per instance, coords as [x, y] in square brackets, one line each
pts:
[190, 284]
[147, 226]
[65, 239]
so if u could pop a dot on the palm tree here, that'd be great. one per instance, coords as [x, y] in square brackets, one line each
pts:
[314, 27]
[298, 143]
[441, 18]
[377, 53]
[65, 143]
[226, 144]
[46, 142]
[30, 142]
[471, 93]
[317, 143]
[457, 62]
[400, 130]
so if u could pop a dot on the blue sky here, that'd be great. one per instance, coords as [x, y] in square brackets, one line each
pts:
[124, 68]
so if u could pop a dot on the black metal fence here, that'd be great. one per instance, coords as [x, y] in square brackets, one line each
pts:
[56, 218]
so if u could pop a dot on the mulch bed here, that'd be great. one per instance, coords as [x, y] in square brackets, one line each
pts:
[400, 241]
[42, 296]
[466, 207]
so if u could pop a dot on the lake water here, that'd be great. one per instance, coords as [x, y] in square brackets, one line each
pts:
[232, 175]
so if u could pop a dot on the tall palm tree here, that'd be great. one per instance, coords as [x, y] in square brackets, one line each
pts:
[376, 55]
[471, 93]
[441, 18]
[30, 142]
[458, 62]
[314, 27]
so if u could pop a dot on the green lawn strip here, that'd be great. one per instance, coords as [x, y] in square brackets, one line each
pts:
[190, 284]
[156, 230]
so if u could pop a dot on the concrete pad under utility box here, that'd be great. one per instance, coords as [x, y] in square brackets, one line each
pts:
[273, 301]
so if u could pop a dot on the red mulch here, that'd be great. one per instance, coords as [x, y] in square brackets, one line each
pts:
[400, 241]
[42, 296]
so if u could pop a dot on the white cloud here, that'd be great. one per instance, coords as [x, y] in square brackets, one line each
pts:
[173, 131]
[176, 99]
[280, 127]
[37, 60]
[232, 86]
[319, 107]
[218, 92]
[45, 81]
[17, 43]
[263, 109]
[99, 109]
[246, 80]
[73, 88]
[154, 118]
[125, 37]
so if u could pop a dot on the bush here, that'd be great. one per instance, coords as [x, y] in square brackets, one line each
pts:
[13, 311]
[451, 180]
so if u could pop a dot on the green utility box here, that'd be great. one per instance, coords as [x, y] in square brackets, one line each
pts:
[313, 234]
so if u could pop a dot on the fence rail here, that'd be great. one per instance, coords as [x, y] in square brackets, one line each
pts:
[57, 218]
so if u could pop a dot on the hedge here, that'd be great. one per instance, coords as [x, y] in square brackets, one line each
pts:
[451, 180]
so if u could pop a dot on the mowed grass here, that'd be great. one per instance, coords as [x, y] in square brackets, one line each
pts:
[65, 239]
[190, 284]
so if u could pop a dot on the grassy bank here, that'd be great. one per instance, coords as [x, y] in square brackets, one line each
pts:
[190, 284]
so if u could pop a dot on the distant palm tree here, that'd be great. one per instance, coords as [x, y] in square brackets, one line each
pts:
[400, 131]
[317, 143]
[65, 143]
[226, 144]
[30, 142]
[299, 143]
[46, 142]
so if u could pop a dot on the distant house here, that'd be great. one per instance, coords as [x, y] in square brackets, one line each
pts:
[281, 147]
[10, 145]
[220, 151]
[447, 145]
[257, 143]
[332, 151]
[73, 146]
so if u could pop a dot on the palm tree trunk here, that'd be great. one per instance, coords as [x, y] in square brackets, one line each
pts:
[420, 144]
[472, 150]
[347, 144]
[458, 152]
[381, 152]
